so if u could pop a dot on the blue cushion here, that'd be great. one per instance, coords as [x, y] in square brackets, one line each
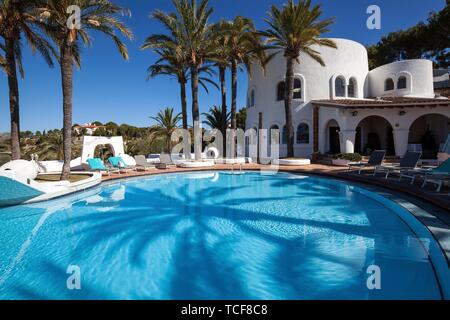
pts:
[96, 164]
[117, 162]
[444, 167]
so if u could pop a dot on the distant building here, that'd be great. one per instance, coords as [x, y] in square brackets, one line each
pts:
[89, 128]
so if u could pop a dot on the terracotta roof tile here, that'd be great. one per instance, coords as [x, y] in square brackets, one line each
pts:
[382, 102]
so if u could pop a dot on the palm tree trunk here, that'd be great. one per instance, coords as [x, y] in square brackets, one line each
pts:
[67, 84]
[196, 113]
[183, 103]
[169, 144]
[288, 97]
[223, 90]
[13, 98]
[186, 145]
[234, 71]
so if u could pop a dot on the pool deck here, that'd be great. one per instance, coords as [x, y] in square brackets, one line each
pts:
[428, 206]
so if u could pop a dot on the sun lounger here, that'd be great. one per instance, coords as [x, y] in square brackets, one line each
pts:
[438, 176]
[165, 161]
[376, 159]
[409, 162]
[442, 169]
[97, 165]
[118, 163]
[437, 179]
[141, 163]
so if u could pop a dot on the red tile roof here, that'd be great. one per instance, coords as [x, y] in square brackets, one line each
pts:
[88, 127]
[383, 102]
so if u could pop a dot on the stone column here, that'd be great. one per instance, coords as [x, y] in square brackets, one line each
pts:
[316, 150]
[401, 137]
[348, 141]
[260, 127]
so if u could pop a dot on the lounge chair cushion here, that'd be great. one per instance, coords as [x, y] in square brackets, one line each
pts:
[142, 161]
[96, 164]
[410, 160]
[443, 168]
[117, 162]
[377, 158]
[165, 159]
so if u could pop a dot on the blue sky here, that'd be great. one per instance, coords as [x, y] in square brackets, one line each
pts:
[110, 89]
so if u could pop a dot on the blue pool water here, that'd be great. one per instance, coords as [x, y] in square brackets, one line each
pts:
[213, 236]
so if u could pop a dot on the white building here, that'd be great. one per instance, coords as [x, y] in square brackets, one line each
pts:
[87, 129]
[344, 107]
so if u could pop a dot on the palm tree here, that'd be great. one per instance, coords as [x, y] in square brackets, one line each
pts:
[171, 63]
[97, 15]
[17, 19]
[193, 21]
[166, 124]
[173, 60]
[214, 118]
[294, 29]
[245, 47]
[221, 60]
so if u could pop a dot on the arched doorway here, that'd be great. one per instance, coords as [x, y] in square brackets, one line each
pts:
[104, 151]
[332, 132]
[428, 133]
[374, 133]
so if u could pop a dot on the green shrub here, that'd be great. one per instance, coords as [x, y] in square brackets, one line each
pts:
[4, 158]
[354, 157]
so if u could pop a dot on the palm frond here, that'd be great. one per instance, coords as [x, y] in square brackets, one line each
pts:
[214, 118]
[296, 28]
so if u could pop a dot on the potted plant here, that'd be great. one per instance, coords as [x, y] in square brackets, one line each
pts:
[343, 159]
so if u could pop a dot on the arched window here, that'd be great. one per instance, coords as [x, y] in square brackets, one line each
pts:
[352, 88]
[303, 133]
[402, 83]
[274, 136]
[280, 91]
[297, 88]
[389, 84]
[340, 87]
[251, 99]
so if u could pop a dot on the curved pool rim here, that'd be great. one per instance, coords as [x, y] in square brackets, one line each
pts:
[436, 254]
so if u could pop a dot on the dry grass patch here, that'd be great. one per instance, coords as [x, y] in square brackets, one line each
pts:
[56, 177]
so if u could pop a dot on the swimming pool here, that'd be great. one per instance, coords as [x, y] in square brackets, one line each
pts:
[214, 235]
